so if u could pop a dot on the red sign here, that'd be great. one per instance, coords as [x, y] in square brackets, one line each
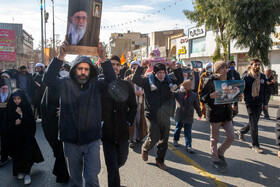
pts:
[7, 45]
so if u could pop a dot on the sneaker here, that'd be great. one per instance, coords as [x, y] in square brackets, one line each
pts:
[240, 136]
[175, 143]
[27, 180]
[219, 166]
[131, 144]
[222, 158]
[257, 149]
[190, 150]
[173, 87]
[20, 176]
[2, 163]
[161, 166]
[144, 155]
[153, 87]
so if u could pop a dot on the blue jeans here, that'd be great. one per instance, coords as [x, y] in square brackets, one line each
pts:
[115, 156]
[187, 133]
[83, 161]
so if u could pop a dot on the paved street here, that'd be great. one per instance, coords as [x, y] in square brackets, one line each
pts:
[245, 167]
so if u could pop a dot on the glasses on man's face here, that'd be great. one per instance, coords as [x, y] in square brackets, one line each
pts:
[23, 71]
[4, 89]
[79, 17]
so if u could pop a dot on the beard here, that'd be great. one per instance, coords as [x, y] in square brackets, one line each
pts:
[81, 80]
[4, 96]
[80, 30]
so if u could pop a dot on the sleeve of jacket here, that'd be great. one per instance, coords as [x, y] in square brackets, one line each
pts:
[137, 77]
[265, 92]
[179, 76]
[50, 77]
[277, 128]
[132, 105]
[197, 106]
[205, 93]
[109, 76]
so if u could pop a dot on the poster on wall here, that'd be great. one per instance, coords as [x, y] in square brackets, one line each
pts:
[229, 91]
[83, 26]
[7, 46]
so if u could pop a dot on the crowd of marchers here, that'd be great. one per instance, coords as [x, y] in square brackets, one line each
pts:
[81, 104]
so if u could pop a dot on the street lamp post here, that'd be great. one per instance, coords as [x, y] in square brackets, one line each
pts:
[42, 31]
[53, 29]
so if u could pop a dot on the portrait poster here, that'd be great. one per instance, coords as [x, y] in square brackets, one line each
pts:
[83, 26]
[229, 91]
[197, 64]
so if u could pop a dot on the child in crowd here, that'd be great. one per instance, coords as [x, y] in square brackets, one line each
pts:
[24, 149]
[151, 61]
[186, 102]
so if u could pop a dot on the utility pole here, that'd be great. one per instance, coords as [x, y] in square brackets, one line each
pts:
[45, 26]
[42, 31]
[53, 29]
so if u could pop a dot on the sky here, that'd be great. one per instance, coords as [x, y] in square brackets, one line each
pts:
[168, 16]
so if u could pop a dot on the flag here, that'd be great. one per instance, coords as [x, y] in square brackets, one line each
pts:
[180, 60]
[122, 59]
[135, 57]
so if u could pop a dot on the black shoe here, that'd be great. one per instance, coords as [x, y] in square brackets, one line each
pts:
[222, 158]
[267, 117]
[2, 163]
[219, 166]
[240, 136]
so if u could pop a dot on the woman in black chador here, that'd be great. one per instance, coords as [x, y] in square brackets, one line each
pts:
[24, 149]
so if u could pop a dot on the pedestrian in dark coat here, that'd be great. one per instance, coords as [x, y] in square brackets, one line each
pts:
[39, 88]
[118, 112]
[277, 130]
[24, 149]
[50, 106]
[80, 113]
[25, 82]
[5, 93]
[186, 101]
[218, 116]
[159, 107]
[255, 97]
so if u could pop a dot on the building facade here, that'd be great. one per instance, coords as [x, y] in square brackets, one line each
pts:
[126, 43]
[200, 45]
[24, 46]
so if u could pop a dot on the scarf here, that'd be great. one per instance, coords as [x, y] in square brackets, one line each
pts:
[257, 82]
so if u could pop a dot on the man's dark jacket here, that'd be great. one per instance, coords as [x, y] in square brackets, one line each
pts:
[233, 75]
[118, 111]
[159, 104]
[80, 106]
[261, 99]
[214, 113]
[30, 83]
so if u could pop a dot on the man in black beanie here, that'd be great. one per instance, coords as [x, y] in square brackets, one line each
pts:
[159, 107]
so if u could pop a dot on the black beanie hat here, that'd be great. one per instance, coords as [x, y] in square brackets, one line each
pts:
[158, 67]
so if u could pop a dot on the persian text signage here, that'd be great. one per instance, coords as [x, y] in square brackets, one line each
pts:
[7, 45]
[184, 40]
[182, 51]
[197, 32]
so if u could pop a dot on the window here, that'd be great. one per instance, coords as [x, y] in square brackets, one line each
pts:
[133, 42]
[198, 45]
